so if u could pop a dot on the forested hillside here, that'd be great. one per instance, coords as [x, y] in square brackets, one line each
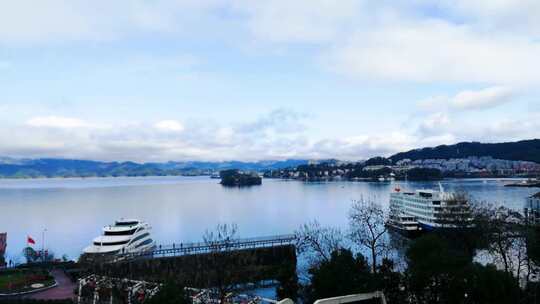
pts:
[525, 150]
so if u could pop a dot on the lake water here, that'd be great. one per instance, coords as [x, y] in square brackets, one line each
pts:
[180, 209]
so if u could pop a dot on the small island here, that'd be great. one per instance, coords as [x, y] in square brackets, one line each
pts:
[237, 178]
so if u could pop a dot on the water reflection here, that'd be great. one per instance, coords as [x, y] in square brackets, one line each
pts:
[180, 209]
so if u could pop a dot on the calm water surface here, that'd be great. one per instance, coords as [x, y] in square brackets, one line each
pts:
[180, 209]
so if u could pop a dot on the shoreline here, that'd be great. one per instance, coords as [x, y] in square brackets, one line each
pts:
[329, 179]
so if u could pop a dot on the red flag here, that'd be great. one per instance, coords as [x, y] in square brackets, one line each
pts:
[30, 240]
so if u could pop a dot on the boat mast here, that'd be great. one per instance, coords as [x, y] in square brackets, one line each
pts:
[441, 189]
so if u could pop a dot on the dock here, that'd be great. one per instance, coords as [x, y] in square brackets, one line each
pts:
[201, 264]
[181, 249]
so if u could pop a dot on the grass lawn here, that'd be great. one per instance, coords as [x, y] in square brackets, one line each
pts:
[12, 281]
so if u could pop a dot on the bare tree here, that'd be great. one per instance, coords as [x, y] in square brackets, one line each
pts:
[222, 258]
[317, 242]
[222, 238]
[505, 232]
[503, 224]
[367, 228]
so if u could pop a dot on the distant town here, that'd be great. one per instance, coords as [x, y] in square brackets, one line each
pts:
[384, 169]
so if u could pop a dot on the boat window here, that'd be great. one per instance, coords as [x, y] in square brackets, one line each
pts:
[110, 243]
[424, 194]
[124, 232]
[130, 223]
[436, 202]
[140, 237]
[147, 242]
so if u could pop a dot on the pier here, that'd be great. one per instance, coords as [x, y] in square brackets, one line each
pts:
[205, 264]
[182, 249]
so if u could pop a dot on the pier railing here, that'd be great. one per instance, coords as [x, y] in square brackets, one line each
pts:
[179, 249]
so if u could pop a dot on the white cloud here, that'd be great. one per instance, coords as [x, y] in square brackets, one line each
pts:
[301, 21]
[497, 15]
[282, 121]
[466, 100]
[169, 126]
[30, 22]
[470, 41]
[199, 140]
[470, 44]
[437, 51]
[434, 125]
[59, 122]
[486, 98]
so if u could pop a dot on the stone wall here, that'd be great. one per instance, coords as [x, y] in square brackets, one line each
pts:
[207, 270]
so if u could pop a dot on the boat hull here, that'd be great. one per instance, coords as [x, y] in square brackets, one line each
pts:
[411, 234]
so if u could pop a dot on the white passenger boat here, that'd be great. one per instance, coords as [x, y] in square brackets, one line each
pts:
[427, 210]
[125, 236]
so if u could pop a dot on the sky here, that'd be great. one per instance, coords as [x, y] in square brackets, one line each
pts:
[272, 79]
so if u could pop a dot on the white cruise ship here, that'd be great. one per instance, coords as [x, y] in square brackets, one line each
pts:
[426, 210]
[125, 236]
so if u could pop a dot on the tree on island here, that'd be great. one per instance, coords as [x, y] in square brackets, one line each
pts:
[235, 178]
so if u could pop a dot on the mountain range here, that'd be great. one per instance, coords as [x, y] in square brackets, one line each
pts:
[54, 167]
[526, 150]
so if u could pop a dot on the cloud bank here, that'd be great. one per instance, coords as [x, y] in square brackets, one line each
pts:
[279, 134]
[475, 58]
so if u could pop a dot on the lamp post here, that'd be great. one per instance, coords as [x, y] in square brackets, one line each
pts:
[43, 245]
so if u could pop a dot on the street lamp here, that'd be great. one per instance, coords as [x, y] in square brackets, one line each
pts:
[43, 245]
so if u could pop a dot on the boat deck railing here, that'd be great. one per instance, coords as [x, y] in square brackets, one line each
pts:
[179, 249]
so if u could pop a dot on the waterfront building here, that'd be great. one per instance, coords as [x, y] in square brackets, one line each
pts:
[532, 209]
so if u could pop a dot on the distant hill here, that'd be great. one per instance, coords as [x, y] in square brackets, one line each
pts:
[525, 150]
[52, 167]
[217, 166]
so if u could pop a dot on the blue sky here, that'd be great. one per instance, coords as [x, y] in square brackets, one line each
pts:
[218, 80]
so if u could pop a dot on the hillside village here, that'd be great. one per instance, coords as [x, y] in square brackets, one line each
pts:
[384, 169]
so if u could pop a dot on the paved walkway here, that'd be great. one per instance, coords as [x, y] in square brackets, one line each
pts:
[64, 290]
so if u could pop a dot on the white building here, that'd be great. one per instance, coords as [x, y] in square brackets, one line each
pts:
[532, 208]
